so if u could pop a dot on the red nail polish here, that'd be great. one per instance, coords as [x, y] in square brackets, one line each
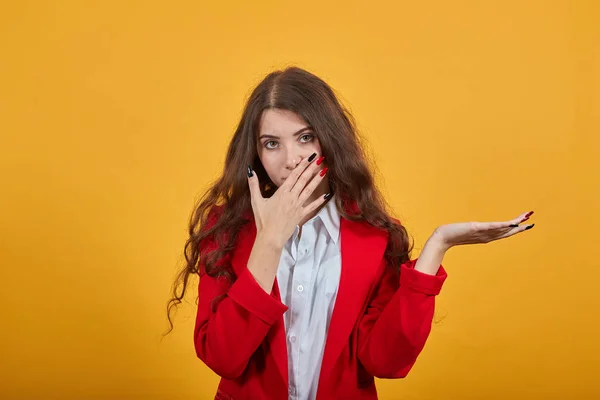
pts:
[320, 160]
[526, 217]
[323, 171]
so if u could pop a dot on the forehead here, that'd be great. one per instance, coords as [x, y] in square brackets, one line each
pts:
[280, 122]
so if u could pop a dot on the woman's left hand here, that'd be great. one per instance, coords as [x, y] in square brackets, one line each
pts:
[480, 232]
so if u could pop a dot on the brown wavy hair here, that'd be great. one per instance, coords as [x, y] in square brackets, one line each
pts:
[210, 243]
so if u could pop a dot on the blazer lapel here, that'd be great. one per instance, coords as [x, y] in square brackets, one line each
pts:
[277, 342]
[362, 247]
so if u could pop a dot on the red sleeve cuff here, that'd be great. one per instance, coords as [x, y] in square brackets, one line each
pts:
[247, 292]
[429, 284]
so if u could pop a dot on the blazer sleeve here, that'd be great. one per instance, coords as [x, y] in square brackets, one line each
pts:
[397, 321]
[225, 338]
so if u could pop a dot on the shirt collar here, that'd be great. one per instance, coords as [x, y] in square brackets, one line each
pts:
[330, 217]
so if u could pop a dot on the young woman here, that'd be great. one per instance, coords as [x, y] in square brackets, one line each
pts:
[307, 289]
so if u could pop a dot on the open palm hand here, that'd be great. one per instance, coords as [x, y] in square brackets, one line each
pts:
[481, 232]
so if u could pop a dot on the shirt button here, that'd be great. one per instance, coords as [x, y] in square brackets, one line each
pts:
[293, 339]
[292, 390]
[300, 288]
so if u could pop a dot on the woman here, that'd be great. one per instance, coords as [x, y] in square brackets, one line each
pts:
[307, 289]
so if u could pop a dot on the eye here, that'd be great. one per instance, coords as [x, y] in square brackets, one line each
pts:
[310, 138]
[267, 144]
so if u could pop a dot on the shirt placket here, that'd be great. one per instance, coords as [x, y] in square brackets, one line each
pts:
[300, 297]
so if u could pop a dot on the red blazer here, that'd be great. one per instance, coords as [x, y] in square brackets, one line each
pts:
[378, 328]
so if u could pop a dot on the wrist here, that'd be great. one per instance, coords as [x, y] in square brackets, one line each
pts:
[432, 255]
[438, 242]
[269, 241]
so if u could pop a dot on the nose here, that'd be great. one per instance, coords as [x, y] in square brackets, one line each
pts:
[292, 160]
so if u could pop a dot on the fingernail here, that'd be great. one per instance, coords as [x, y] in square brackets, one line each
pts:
[327, 196]
[323, 171]
[320, 160]
[514, 225]
[526, 217]
[312, 157]
[530, 226]
[250, 174]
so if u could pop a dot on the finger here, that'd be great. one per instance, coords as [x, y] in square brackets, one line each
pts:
[291, 180]
[522, 218]
[510, 224]
[515, 221]
[314, 205]
[309, 175]
[502, 225]
[518, 229]
[255, 193]
[526, 217]
[312, 186]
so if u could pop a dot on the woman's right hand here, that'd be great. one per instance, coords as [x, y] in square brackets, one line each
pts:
[277, 217]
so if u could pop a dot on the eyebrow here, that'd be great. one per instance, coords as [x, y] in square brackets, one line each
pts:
[306, 128]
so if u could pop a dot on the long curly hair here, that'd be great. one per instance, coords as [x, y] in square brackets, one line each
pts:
[350, 177]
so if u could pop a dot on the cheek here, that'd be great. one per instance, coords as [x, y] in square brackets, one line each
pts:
[317, 146]
[270, 163]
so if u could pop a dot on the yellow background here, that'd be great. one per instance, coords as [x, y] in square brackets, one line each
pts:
[115, 115]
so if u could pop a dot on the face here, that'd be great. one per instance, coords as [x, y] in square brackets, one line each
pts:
[284, 139]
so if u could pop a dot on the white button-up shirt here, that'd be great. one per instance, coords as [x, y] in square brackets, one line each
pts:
[308, 277]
